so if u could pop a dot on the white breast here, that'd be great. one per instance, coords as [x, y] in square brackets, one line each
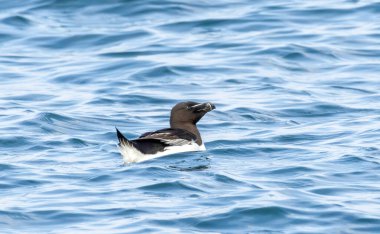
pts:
[131, 154]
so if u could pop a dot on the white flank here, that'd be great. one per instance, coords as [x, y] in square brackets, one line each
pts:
[131, 154]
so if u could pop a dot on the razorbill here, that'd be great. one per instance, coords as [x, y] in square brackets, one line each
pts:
[182, 136]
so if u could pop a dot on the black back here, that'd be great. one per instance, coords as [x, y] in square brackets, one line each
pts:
[157, 141]
[149, 146]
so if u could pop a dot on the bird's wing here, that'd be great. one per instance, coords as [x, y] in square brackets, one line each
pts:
[170, 136]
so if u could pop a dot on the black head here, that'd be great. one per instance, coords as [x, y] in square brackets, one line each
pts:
[189, 112]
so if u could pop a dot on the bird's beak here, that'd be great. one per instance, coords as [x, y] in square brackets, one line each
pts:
[202, 107]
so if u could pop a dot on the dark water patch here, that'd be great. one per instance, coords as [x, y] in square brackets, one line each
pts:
[125, 54]
[234, 81]
[233, 151]
[116, 68]
[298, 183]
[228, 180]
[372, 150]
[19, 22]
[335, 191]
[17, 182]
[354, 175]
[281, 150]
[59, 191]
[76, 142]
[44, 161]
[6, 37]
[14, 142]
[100, 178]
[302, 138]
[81, 42]
[370, 7]
[62, 5]
[141, 99]
[106, 90]
[300, 53]
[366, 225]
[50, 117]
[75, 42]
[101, 101]
[66, 217]
[259, 117]
[157, 72]
[146, 168]
[11, 75]
[126, 36]
[294, 37]
[199, 69]
[171, 9]
[296, 56]
[324, 14]
[191, 168]
[203, 25]
[31, 97]
[266, 24]
[243, 141]
[10, 118]
[152, 49]
[7, 186]
[29, 183]
[365, 53]
[252, 218]
[357, 159]
[7, 167]
[15, 215]
[293, 171]
[222, 45]
[170, 187]
[252, 114]
[212, 126]
[149, 10]
[125, 213]
[58, 143]
[187, 162]
[352, 89]
[320, 110]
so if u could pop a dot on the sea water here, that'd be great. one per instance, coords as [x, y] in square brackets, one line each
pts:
[292, 147]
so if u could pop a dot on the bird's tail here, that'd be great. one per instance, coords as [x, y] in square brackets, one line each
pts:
[127, 149]
[123, 141]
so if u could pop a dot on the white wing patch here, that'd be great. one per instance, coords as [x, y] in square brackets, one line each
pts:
[167, 138]
[175, 142]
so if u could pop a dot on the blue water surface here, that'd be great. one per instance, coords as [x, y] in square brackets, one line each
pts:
[293, 146]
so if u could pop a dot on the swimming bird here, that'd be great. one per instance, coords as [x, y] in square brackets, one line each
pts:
[182, 136]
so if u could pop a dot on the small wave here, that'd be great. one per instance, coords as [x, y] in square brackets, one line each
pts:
[50, 117]
[320, 110]
[19, 22]
[31, 97]
[170, 187]
[247, 216]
